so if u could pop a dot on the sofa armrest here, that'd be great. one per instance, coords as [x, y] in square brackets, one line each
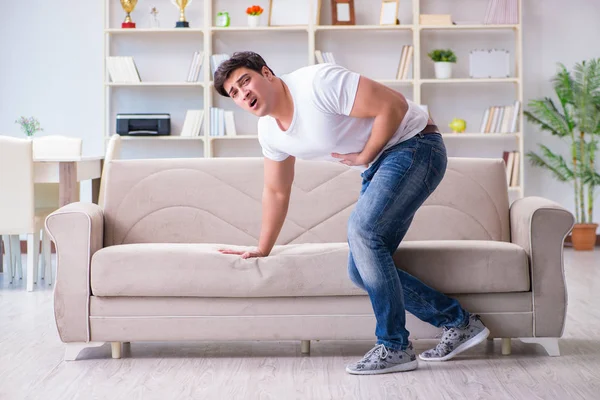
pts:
[540, 226]
[77, 230]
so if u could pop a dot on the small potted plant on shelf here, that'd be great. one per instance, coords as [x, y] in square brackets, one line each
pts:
[29, 126]
[576, 120]
[254, 14]
[443, 60]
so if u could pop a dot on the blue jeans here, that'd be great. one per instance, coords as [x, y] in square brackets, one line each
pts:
[393, 188]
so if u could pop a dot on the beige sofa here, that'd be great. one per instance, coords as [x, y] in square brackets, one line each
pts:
[144, 265]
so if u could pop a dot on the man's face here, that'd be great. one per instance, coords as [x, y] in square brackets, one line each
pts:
[250, 90]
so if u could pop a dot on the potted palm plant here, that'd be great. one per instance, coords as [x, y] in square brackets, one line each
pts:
[576, 120]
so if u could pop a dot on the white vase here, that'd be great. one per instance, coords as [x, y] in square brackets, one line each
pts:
[253, 21]
[443, 70]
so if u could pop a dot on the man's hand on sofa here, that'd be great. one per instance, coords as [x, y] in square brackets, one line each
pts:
[244, 254]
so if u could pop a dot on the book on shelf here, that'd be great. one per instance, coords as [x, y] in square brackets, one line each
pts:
[501, 119]
[502, 12]
[230, 124]
[405, 64]
[216, 60]
[222, 122]
[122, 69]
[192, 125]
[512, 160]
[195, 66]
[324, 57]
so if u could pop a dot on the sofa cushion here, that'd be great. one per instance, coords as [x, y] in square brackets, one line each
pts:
[466, 266]
[177, 269]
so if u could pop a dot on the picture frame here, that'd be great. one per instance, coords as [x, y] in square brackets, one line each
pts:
[389, 12]
[342, 12]
[304, 12]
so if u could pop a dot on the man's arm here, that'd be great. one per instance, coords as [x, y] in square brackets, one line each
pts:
[279, 176]
[387, 106]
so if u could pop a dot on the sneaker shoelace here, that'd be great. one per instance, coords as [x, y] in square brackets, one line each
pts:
[380, 351]
[443, 333]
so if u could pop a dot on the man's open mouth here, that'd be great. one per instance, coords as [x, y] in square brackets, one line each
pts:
[253, 103]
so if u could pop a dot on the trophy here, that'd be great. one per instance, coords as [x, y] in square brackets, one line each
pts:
[128, 6]
[181, 5]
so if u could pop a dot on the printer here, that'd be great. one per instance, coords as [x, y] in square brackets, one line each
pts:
[144, 124]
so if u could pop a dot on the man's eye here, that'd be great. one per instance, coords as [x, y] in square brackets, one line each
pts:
[246, 80]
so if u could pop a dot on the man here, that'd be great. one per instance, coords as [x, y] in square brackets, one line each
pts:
[325, 112]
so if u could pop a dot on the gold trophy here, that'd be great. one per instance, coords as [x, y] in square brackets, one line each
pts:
[181, 5]
[128, 6]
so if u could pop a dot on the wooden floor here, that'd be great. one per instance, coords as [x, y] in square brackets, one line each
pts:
[31, 363]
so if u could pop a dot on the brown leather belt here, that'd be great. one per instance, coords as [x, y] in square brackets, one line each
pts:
[430, 128]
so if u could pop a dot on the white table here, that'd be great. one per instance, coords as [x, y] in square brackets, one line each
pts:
[68, 172]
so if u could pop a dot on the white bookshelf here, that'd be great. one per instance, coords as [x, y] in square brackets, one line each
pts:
[468, 80]
[260, 29]
[155, 31]
[362, 27]
[166, 84]
[153, 138]
[296, 45]
[469, 27]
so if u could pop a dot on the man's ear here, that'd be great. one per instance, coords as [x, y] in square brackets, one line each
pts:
[266, 73]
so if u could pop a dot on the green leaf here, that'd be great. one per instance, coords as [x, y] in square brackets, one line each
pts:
[591, 177]
[440, 55]
[545, 114]
[554, 163]
[586, 85]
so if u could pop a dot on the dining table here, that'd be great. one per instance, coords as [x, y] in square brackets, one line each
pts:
[68, 172]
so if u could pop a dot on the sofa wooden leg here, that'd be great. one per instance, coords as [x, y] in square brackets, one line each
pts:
[72, 350]
[550, 344]
[305, 347]
[506, 346]
[116, 349]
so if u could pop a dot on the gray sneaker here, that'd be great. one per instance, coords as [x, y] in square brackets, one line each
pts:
[456, 340]
[382, 360]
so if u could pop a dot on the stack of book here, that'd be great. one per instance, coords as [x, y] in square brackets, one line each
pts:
[122, 69]
[502, 12]
[512, 160]
[435, 19]
[501, 119]
[324, 57]
[405, 62]
[216, 60]
[192, 125]
[194, 71]
[222, 123]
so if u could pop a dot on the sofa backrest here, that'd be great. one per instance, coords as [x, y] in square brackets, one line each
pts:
[218, 200]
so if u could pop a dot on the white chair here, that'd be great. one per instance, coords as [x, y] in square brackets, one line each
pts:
[56, 146]
[113, 152]
[46, 194]
[18, 214]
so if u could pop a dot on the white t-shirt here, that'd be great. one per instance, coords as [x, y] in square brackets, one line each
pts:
[323, 97]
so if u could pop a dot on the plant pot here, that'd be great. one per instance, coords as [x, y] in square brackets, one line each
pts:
[253, 21]
[443, 70]
[584, 236]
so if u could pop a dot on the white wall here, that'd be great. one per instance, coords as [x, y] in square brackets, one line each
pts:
[555, 31]
[55, 71]
[51, 67]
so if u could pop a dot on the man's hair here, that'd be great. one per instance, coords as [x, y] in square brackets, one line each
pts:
[239, 59]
